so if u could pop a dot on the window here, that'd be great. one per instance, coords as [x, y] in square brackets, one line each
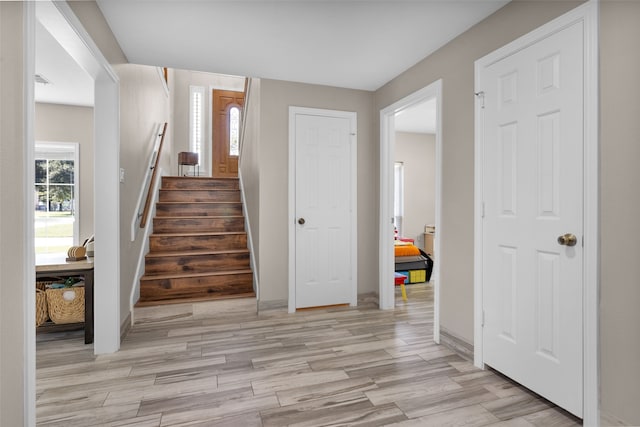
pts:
[398, 195]
[196, 121]
[234, 131]
[55, 197]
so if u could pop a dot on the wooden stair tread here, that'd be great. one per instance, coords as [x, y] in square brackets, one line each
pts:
[150, 303]
[196, 252]
[200, 203]
[207, 233]
[201, 217]
[187, 275]
[203, 178]
[199, 189]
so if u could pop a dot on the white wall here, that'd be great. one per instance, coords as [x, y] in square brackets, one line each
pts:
[14, 202]
[417, 152]
[249, 167]
[143, 105]
[67, 123]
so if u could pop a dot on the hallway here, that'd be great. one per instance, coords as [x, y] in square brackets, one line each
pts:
[220, 363]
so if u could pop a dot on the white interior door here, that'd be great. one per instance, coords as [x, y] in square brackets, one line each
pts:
[324, 208]
[533, 193]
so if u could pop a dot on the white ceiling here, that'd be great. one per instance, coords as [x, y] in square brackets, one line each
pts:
[69, 84]
[420, 118]
[353, 44]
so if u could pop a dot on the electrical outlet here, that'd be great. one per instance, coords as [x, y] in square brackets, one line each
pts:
[121, 174]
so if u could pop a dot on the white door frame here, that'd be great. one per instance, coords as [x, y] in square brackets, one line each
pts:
[352, 117]
[588, 15]
[65, 25]
[386, 289]
[106, 175]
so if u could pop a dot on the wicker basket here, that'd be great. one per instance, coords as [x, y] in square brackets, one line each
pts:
[43, 282]
[66, 305]
[42, 314]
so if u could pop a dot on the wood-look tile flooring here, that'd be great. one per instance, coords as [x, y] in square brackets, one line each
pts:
[222, 364]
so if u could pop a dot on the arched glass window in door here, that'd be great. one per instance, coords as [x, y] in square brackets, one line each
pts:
[234, 131]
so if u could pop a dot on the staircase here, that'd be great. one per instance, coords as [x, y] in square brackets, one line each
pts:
[198, 249]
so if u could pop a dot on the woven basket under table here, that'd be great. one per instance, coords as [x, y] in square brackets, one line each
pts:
[42, 313]
[66, 305]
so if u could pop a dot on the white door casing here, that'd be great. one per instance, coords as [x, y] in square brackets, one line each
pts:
[323, 254]
[536, 158]
[385, 226]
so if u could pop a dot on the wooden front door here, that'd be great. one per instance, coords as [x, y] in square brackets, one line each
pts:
[227, 111]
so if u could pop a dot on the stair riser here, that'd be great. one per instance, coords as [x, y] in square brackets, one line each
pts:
[196, 263]
[200, 196]
[200, 183]
[202, 209]
[197, 225]
[196, 287]
[159, 243]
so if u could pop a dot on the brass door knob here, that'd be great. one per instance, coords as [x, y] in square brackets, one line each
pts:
[568, 239]
[301, 221]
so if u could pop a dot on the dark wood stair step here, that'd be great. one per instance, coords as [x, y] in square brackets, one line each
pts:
[196, 262]
[177, 224]
[188, 286]
[198, 209]
[196, 252]
[184, 182]
[197, 241]
[178, 195]
[186, 300]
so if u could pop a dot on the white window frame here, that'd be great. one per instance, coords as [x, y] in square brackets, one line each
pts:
[69, 147]
[398, 196]
[194, 129]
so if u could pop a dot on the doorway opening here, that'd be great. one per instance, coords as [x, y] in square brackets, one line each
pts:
[411, 123]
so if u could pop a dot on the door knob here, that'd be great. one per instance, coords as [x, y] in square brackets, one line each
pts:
[568, 239]
[301, 221]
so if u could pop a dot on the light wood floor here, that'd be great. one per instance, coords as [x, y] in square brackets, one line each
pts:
[222, 364]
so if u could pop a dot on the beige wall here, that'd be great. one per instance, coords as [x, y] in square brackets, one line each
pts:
[66, 123]
[276, 97]
[143, 105]
[620, 360]
[620, 107]
[91, 17]
[417, 152]
[249, 168]
[620, 209]
[13, 227]
[454, 64]
[183, 79]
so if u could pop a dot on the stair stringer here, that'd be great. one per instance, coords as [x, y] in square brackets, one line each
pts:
[248, 229]
[135, 288]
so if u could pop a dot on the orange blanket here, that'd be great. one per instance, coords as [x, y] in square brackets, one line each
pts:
[406, 250]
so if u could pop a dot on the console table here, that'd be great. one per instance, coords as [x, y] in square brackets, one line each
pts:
[56, 265]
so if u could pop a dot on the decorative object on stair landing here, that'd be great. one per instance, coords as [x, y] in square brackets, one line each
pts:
[186, 158]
